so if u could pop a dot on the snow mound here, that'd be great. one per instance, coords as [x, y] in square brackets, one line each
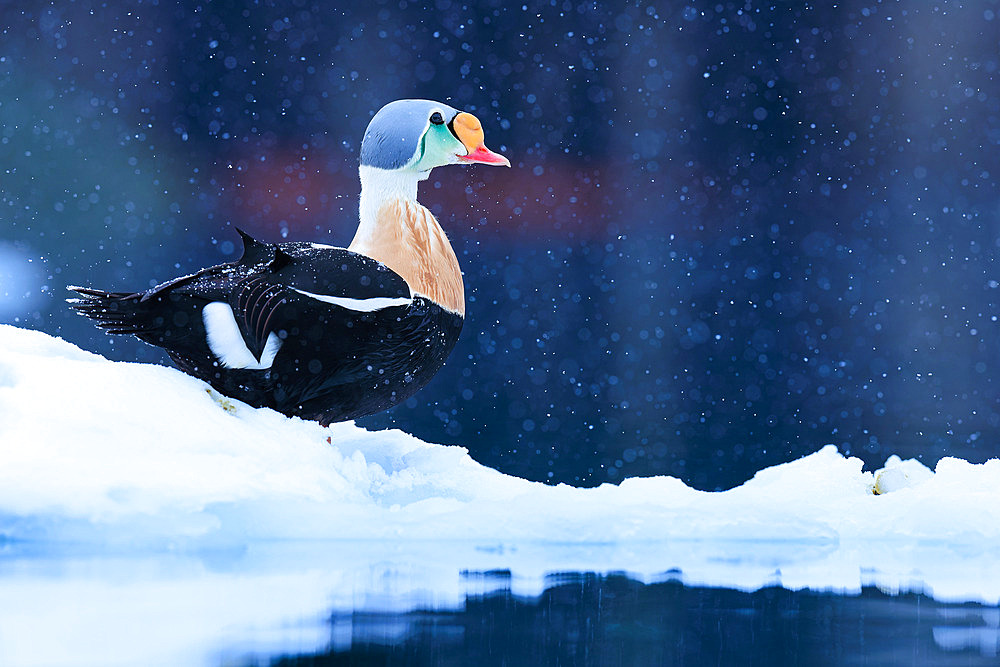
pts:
[127, 454]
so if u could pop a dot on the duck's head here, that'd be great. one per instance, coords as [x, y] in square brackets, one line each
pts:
[418, 135]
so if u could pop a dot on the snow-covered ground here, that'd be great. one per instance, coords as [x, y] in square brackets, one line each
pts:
[121, 483]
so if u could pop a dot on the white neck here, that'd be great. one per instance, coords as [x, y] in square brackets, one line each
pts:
[379, 186]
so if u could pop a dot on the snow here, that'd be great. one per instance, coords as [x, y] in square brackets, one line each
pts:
[142, 454]
[127, 475]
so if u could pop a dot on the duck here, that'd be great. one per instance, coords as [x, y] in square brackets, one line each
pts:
[315, 331]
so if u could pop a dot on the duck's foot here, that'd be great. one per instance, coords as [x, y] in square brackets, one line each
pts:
[226, 404]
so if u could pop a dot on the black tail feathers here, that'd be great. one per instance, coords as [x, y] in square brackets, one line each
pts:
[160, 317]
[115, 312]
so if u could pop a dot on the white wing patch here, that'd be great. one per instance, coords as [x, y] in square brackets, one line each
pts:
[226, 342]
[359, 305]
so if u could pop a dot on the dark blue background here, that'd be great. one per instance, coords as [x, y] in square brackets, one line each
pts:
[732, 233]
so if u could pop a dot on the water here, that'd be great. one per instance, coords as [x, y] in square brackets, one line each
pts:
[392, 603]
[591, 619]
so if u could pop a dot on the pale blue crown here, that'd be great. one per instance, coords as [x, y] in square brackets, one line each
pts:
[393, 135]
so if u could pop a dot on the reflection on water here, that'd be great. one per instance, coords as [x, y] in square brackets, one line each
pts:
[589, 619]
[456, 603]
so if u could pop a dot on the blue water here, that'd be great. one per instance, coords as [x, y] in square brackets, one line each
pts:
[357, 603]
[591, 619]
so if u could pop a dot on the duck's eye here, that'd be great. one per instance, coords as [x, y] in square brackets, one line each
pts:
[437, 118]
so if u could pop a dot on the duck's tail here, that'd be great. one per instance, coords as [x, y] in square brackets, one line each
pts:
[159, 317]
[115, 312]
[173, 322]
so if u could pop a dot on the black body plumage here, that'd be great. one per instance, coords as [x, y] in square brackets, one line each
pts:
[351, 339]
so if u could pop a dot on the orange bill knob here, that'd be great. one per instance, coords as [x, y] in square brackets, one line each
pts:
[469, 131]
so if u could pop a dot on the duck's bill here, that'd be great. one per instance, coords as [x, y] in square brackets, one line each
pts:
[483, 155]
[469, 131]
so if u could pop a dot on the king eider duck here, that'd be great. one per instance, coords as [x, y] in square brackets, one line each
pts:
[320, 332]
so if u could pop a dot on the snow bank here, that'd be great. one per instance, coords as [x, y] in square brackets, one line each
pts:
[92, 450]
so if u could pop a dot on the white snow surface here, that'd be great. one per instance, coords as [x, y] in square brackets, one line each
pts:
[125, 483]
[133, 453]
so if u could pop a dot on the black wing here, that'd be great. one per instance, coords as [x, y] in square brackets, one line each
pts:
[278, 287]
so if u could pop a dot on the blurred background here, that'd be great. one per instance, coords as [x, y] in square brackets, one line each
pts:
[733, 232]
